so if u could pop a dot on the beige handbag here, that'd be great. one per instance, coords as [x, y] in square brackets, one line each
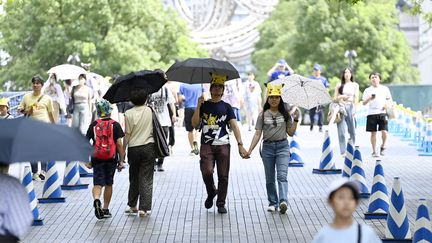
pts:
[390, 110]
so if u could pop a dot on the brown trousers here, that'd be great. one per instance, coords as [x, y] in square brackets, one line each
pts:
[212, 155]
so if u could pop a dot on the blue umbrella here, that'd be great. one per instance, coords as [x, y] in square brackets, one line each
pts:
[25, 139]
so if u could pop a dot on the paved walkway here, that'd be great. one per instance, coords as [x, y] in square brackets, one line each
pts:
[178, 214]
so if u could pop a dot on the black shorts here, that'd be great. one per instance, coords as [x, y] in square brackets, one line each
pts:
[374, 121]
[103, 171]
[188, 113]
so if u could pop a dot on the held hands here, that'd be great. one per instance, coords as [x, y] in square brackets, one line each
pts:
[243, 153]
[120, 166]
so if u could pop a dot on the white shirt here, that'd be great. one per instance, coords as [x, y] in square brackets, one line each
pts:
[329, 234]
[382, 95]
[159, 101]
[350, 90]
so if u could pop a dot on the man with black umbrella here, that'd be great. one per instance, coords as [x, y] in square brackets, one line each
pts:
[216, 116]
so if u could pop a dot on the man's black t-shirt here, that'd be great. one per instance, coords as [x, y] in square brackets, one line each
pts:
[215, 118]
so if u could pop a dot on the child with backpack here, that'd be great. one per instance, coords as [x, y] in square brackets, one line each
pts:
[108, 154]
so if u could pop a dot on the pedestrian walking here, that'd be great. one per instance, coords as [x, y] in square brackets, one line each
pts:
[343, 198]
[108, 155]
[274, 124]
[252, 100]
[162, 102]
[4, 109]
[379, 98]
[346, 95]
[82, 104]
[215, 116]
[233, 95]
[279, 70]
[141, 154]
[39, 107]
[54, 90]
[15, 214]
[189, 96]
[319, 110]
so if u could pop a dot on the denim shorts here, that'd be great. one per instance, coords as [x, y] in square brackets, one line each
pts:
[103, 171]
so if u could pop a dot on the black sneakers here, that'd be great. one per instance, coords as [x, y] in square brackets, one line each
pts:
[106, 213]
[98, 209]
[209, 201]
[222, 210]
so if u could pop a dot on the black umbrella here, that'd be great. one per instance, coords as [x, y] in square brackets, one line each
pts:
[150, 81]
[25, 139]
[197, 70]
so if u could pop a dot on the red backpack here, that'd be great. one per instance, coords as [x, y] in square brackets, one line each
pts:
[104, 147]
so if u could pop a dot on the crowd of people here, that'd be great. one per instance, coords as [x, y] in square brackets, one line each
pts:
[213, 113]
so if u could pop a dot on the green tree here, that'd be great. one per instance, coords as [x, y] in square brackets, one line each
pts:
[115, 36]
[305, 32]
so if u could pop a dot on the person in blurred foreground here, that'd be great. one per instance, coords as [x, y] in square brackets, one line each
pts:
[15, 213]
[343, 198]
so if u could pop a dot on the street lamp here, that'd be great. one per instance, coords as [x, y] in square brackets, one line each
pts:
[350, 54]
[74, 58]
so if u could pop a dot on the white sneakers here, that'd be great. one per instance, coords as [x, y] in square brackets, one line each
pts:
[271, 209]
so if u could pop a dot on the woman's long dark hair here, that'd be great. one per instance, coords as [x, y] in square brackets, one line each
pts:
[281, 109]
[343, 81]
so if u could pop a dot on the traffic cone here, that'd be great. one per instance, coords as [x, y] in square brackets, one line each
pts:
[422, 137]
[427, 144]
[52, 192]
[408, 130]
[71, 179]
[296, 159]
[398, 228]
[422, 227]
[378, 203]
[358, 174]
[399, 124]
[84, 171]
[28, 184]
[327, 165]
[417, 137]
[349, 155]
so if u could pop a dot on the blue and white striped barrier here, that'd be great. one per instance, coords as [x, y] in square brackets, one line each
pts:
[52, 192]
[427, 144]
[327, 165]
[398, 228]
[358, 174]
[28, 184]
[71, 179]
[84, 171]
[349, 156]
[379, 201]
[422, 226]
[296, 159]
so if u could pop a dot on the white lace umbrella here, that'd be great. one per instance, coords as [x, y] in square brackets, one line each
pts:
[67, 71]
[303, 92]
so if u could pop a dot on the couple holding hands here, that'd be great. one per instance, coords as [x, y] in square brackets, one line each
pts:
[215, 118]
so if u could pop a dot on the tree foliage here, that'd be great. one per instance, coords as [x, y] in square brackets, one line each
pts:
[115, 36]
[305, 32]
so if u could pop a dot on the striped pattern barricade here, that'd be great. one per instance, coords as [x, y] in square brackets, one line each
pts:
[398, 228]
[423, 137]
[379, 201]
[358, 174]
[71, 179]
[296, 159]
[349, 156]
[408, 128]
[52, 192]
[427, 144]
[28, 184]
[417, 136]
[422, 226]
[84, 171]
[327, 165]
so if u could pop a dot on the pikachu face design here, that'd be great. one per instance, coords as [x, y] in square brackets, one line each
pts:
[218, 79]
[274, 90]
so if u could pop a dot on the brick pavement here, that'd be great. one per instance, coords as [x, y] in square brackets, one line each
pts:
[178, 214]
